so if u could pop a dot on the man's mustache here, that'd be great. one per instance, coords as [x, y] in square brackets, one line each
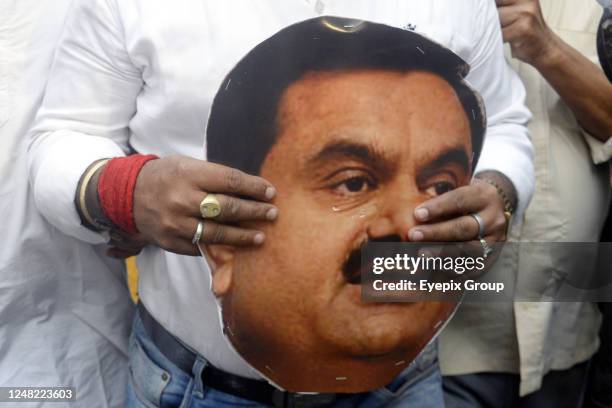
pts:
[352, 268]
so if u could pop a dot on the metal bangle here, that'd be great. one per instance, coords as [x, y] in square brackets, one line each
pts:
[83, 192]
[502, 194]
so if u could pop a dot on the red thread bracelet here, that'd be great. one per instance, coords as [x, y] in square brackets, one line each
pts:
[116, 189]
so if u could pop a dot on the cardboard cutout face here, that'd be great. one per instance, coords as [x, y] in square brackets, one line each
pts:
[355, 124]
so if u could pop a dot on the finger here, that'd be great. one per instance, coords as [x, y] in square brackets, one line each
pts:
[176, 235]
[221, 179]
[494, 255]
[461, 201]
[215, 233]
[180, 234]
[235, 209]
[475, 250]
[458, 229]
[183, 247]
[508, 15]
[463, 228]
[504, 3]
[515, 32]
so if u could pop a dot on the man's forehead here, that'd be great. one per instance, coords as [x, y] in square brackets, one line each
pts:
[323, 91]
[313, 132]
[312, 81]
[337, 100]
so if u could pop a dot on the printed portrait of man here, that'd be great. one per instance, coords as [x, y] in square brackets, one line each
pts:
[355, 124]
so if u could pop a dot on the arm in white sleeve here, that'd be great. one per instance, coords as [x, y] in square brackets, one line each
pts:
[89, 101]
[507, 147]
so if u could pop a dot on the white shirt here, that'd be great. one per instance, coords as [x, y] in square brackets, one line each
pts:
[64, 307]
[143, 73]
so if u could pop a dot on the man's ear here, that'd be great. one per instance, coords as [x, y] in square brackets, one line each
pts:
[221, 259]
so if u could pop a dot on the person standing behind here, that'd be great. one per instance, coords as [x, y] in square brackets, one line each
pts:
[65, 310]
[532, 354]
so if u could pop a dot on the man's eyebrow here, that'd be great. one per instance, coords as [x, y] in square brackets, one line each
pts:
[456, 155]
[364, 153]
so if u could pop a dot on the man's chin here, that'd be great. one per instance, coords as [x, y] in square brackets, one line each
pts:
[336, 373]
[378, 337]
[363, 371]
[375, 330]
[347, 350]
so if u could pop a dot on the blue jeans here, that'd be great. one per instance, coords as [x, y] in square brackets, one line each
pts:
[156, 382]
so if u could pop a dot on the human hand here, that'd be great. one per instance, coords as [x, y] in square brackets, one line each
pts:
[523, 26]
[446, 218]
[167, 201]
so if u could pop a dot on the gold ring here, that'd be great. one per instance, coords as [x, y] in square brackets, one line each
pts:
[210, 206]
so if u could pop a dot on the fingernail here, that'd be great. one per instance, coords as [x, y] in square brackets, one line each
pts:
[270, 193]
[416, 235]
[272, 214]
[421, 214]
[259, 238]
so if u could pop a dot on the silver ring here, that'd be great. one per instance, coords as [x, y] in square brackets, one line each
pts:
[198, 233]
[481, 226]
[486, 249]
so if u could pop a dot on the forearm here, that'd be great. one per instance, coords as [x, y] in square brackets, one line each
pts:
[89, 101]
[581, 85]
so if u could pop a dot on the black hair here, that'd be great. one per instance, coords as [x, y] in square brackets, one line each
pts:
[242, 126]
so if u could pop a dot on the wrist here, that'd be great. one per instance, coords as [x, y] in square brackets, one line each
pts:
[115, 190]
[504, 187]
[505, 192]
[551, 53]
[87, 202]
[93, 201]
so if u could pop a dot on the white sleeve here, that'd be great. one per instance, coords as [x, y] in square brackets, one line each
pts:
[507, 147]
[600, 152]
[89, 100]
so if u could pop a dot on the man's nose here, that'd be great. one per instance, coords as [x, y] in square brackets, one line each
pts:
[393, 219]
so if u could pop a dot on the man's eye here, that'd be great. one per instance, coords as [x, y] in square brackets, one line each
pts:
[357, 184]
[354, 185]
[440, 188]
